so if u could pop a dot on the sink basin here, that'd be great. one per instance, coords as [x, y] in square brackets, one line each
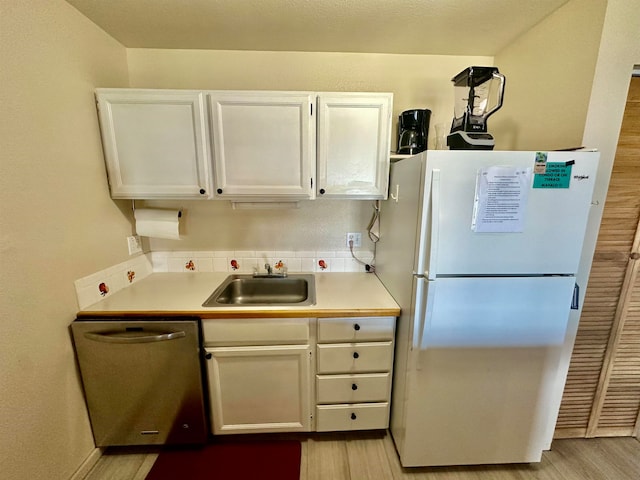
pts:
[247, 290]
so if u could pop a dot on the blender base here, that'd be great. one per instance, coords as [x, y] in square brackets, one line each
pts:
[470, 141]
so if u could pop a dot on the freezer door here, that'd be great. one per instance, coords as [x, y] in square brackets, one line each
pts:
[554, 219]
[484, 370]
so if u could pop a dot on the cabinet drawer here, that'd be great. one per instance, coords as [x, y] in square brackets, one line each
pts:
[373, 387]
[355, 357]
[255, 331]
[356, 329]
[364, 416]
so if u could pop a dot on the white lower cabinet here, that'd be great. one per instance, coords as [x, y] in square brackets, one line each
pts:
[353, 373]
[260, 374]
[260, 389]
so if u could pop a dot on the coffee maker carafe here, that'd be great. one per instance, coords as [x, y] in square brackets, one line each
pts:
[413, 129]
[479, 92]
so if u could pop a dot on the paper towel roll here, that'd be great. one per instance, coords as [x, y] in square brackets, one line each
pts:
[158, 223]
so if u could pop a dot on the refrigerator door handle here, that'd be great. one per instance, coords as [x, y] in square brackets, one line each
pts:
[575, 301]
[435, 223]
[424, 313]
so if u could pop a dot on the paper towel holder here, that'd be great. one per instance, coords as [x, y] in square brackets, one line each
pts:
[133, 209]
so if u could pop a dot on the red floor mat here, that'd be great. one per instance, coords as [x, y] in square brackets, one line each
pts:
[278, 460]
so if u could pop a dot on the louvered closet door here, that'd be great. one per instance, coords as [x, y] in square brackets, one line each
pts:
[602, 393]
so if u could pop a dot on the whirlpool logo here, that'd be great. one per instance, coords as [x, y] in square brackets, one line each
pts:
[580, 177]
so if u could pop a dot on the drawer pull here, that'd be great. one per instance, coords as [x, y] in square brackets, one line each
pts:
[354, 386]
[356, 327]
[356, 355]
[353, 416]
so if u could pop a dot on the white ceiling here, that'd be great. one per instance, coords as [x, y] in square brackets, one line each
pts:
[447, 27]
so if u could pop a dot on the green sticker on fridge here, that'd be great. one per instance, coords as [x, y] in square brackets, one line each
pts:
[557, 175]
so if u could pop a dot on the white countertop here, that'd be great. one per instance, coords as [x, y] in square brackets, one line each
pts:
[337, 294]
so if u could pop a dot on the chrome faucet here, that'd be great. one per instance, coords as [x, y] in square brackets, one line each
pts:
[269, 272]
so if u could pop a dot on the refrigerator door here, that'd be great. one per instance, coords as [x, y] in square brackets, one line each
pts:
[409, 331]
[553, 216]
[401, 224]
[484, 366]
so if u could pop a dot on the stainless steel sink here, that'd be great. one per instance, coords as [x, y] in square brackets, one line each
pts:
[247, 290]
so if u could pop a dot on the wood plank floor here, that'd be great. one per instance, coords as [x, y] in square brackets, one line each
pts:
[372, 456]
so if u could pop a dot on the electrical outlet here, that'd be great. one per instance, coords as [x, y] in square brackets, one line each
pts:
[133, 242]
[356, 237]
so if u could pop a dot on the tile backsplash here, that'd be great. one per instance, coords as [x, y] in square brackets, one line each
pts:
[99, 285]
[249, 261]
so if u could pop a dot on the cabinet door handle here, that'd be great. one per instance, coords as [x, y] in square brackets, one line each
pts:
[322, 191]
[219, 190]
[356, 355]
[202, 191]
[354, 386]
[353, 416]
[356, 327]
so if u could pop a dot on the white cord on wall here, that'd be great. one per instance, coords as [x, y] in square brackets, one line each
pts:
[373, 230]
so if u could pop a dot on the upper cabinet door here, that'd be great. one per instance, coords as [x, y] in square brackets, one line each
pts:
[263, 145]
[155, 143]
[354, 134]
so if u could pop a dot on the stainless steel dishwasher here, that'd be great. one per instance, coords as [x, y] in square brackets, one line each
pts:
[142, 380]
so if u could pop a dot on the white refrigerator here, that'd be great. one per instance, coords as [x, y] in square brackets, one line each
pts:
[480, 250]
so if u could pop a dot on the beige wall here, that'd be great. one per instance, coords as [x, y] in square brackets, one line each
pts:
[57, 224]
[549, 71]
[417, 81]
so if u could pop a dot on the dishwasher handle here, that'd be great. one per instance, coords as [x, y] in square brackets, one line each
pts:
[111, 337]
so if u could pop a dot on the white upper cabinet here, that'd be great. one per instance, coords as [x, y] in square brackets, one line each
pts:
[155, 143]
[263, 145]
[353, 135]
[252, 146]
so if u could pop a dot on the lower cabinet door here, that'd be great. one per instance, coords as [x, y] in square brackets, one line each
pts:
[260, 389]
[363, 416]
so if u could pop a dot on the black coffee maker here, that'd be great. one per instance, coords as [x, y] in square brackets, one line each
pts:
[413, 129]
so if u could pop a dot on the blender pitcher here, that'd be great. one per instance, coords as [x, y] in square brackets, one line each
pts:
[479, 92]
